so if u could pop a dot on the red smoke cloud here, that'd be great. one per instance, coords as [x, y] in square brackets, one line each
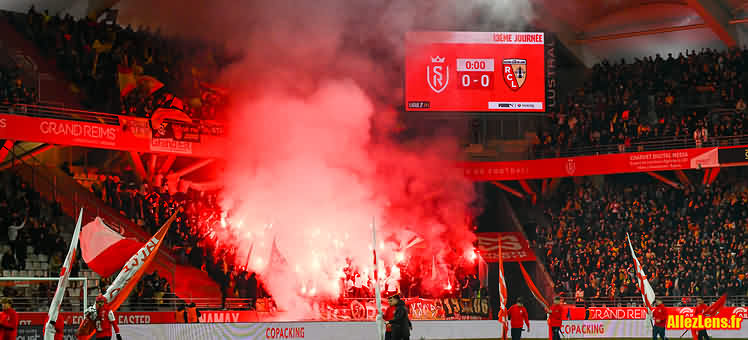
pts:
[305, 173]
[311, 163]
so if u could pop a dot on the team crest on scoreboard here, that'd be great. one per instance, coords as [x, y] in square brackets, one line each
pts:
[437, 74]
[515, 73]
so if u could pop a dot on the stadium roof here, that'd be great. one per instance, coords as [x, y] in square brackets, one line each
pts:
[626, 28]
[592, 30]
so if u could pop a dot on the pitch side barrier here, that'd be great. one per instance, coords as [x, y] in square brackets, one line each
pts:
[477, 329]
[457, 329]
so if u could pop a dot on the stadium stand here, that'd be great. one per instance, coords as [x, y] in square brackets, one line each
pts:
[692, 100]
[623, 107]
[692, 241]
[106, 62]
[149, 206]
[12, 89]
[33, 236]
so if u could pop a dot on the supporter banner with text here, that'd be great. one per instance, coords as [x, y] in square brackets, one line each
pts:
[420, 309]
[514, 247]
[593, 165]
[132, 134]
[350, 310]
[178, 131]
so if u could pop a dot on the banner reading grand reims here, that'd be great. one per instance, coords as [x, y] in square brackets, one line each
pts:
[131, 134]
[475, 71]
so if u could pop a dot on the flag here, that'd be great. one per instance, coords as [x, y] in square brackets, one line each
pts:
[482, 271]
[645, 288]
[276, 258]
[502, 295]
[710, 311]
[378, 295]
[135, 268]
[249, 256]
[533, 289]
[126, 80]
[716, 306]
[62, 283]
[433, 268]
[104, 250]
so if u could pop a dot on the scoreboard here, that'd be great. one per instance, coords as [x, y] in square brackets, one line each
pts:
[475, 71]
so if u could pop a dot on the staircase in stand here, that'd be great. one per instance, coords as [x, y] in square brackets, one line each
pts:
[55, 185]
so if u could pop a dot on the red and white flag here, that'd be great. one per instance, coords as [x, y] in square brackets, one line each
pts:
[62, 283]
[135, 267]
[502, 295]
[130, 274]
[105, 250]
[533, 289]
[648, 294]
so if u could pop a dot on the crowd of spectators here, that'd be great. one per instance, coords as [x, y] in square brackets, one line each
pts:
[30, 225]
[102, 58]
[12, 89]
[189, 238]
[690, 241]
[34, 236]
[686, 99]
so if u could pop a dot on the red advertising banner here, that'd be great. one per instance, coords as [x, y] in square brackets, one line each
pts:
[365, 309]
[132, 134]
[347, 310]
[514, 247]
[639, 313]
[475, 71]
[593, 165]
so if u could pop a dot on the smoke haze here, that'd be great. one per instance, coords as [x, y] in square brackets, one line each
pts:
[311, 163]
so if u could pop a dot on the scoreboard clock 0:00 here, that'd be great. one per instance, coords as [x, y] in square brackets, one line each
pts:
[475, 73]
[733, 155]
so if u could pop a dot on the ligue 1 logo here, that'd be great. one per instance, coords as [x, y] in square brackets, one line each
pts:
[437, 74]
[571, 167]
[687, 311]
[515, 73]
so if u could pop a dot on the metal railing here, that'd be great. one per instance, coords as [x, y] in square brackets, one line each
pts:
[636, 301]
[57, 112]
[132, 304]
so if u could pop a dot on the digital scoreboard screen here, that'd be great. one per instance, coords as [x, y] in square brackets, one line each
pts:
[475, 71]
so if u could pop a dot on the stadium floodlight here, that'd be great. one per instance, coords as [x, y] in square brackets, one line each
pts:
[84, 279]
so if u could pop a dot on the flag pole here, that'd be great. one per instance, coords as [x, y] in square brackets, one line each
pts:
[378, 295]
[62, 283]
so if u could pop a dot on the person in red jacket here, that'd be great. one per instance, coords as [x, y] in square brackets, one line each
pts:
[660, 320]
[389, 314]
[518, 316]
[8, 321]
[700, 309]
[105, 320]
[555, 314]
[59, 325]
